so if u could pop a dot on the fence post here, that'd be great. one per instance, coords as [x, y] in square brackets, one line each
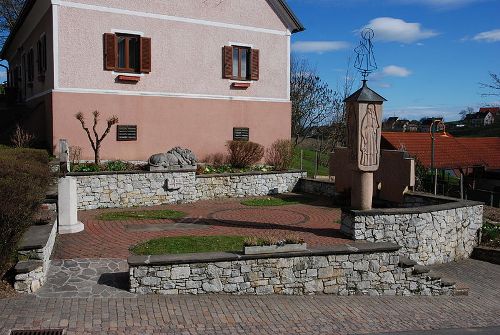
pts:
[316, 166]
[301, 159]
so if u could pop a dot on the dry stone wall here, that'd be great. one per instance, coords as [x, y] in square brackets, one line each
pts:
[117, 190]
[346, 270]
[428, 235]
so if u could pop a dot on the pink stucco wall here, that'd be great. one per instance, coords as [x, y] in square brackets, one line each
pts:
[255, 13]
[203, 125]
[187, 58]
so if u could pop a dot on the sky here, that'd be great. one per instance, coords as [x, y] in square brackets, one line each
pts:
[431, 54]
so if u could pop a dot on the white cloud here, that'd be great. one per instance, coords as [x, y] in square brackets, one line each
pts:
[319, 46]
[396, 30]
[441, 4]
[488, 36]
[396, 71]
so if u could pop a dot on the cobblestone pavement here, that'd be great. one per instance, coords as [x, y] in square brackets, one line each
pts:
[315, 220]
[220, 314]
[83, 278]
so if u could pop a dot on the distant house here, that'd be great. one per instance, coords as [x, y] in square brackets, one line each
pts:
[480, 119]
[425, 124]
[413, 126]
[176, 73]
[495, 112]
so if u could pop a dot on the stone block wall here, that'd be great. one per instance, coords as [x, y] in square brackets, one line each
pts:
[117, 190]
[428, 235]
[319, 187]
[34, 258]
[346, 270]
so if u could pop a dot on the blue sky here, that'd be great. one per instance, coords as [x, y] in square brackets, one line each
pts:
[431, 54]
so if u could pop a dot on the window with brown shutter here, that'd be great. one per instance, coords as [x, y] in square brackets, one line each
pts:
[145, 54]
[240, 63]
[127, 53]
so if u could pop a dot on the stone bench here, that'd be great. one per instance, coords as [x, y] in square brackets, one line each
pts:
[34, 253]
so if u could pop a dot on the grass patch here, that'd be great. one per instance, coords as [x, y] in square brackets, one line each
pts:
[263, 202]
[308, 162]
[491, 235]
[142, 215]
[189, 244]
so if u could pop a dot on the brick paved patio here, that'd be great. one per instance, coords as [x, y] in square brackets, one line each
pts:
[316, 220]
[268, 314]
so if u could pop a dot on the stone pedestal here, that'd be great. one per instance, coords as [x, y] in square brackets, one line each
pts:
[67, 202]
[362, 190]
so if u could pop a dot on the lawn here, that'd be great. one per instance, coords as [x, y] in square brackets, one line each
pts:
[189, 244]
[309, 159]
[142, 215]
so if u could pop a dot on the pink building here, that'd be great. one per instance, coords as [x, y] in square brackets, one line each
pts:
[190, 73]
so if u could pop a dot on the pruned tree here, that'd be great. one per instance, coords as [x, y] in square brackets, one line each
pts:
[312, 101]
[9, 12]
[493, 87]
[95, 139]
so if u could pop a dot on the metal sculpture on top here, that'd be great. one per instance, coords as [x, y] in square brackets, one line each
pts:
[365, 58]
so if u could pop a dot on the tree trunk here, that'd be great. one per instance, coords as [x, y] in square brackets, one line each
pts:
[97, 155]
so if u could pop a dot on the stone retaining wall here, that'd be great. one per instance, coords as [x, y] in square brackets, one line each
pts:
[427, 234]
[116, 190]
[365, 268]
[318, 186]
[34, 253]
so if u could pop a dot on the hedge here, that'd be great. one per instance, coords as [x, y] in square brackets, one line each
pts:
[24, 178]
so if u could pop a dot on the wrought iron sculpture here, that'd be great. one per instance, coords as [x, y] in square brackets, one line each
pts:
[365, 58]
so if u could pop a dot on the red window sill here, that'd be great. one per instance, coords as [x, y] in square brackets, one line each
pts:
[241, 86]
[133, 79]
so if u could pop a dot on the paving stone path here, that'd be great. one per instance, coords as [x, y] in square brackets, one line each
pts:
[274, 315]
[86, 278]
[313, 218]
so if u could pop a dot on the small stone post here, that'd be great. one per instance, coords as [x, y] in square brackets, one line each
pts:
[364, 127]
[64, 164]
[67, 206]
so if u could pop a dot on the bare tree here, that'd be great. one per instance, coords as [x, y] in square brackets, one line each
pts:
[468, 110]
[493, 86]
[96, 140]
[9, 12]
[312, 101]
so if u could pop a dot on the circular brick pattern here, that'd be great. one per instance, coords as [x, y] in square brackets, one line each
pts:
[260, 216]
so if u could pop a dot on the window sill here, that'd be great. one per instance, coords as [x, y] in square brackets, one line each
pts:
[131, 74]
[240, 85]
[128, 78]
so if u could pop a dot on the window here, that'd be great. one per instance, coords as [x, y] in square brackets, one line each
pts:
[241, 134]
[240, 63]
[31, 65]
[126, 133]
[127, 53]
[41, 55]
[241, 58]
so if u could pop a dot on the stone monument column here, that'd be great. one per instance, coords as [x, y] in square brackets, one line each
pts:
[364, 127]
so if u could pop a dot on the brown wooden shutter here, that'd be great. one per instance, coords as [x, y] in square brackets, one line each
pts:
[227, 62]
[145, 54]
[110, 52]
[254, 64]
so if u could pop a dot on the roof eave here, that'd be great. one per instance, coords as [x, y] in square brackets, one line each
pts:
[288, 15]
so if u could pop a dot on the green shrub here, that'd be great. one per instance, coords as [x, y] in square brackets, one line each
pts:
[280, 155]
[116, 166]
[86, 167]
[244, 154]
[24, 177]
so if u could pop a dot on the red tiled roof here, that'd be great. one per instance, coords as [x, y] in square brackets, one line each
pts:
[450, 153]
[492, 110]
[488, 148]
